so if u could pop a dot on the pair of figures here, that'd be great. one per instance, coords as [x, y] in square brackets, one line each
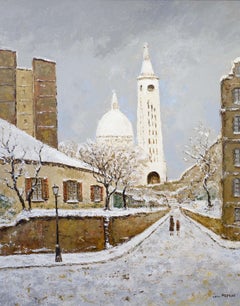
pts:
[172, 225]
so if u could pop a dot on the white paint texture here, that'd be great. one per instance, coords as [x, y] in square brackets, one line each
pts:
[114, 127]
[97, 47]
[153, 268]
[149, 126]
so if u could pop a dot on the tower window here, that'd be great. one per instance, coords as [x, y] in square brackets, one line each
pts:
[236, 187]
[236, 95]
[140, 87]
[150, 87]
[236, 124]
[236, 157]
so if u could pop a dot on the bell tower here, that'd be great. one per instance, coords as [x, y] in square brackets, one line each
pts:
[149, 127]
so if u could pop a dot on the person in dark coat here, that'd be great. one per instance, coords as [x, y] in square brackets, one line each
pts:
[171, 225]
[178, 226]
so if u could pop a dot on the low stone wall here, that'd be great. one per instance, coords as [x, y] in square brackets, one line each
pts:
[213, 224]
[76, 234]
[38, 235]
[125, 227]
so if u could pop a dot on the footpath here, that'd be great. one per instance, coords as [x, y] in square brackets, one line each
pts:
[71, 259]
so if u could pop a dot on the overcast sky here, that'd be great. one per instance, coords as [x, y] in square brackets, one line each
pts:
[98, 45]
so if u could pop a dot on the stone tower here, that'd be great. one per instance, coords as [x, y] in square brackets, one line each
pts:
[149, 130]
[45, 101]
[28, 97]
[230, 117]
[8, 63]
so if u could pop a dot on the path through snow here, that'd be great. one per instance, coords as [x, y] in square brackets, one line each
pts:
[189, 269]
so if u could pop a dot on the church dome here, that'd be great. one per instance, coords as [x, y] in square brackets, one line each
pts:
[114, 124]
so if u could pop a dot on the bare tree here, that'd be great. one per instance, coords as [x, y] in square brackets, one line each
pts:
[132, 162]
[13, 156]
[38, 166]
[69, 147]
[15, 166]
[103, 160]
[199, 151]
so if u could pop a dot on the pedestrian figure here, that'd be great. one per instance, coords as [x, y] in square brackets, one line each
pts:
[178, 227]
[171, 225]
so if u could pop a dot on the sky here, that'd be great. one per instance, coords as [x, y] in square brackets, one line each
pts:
[98, 46]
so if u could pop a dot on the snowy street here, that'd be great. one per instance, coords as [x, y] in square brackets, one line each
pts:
[189, 269]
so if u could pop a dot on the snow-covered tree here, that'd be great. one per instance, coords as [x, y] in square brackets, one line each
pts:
[37, 168]
[13, 156]
[103, 160]
[199, 151]
[131, 164]
[69, 147]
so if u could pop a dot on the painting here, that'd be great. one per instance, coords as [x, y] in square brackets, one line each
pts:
[119, 152]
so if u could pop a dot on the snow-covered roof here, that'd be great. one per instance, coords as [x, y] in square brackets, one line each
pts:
[30, 145]
[235, 62]
[114, 122]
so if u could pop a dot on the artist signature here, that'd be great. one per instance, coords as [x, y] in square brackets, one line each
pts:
[226, 295]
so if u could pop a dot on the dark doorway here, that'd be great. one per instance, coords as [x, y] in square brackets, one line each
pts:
[153, 178]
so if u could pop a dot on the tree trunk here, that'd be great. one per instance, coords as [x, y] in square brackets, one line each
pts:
[124, 198]
[107, 201]
[207, 192]
[20, 198]
[29, 204]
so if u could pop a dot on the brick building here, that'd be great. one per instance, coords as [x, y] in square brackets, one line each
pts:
[230, 117]
[28, 97]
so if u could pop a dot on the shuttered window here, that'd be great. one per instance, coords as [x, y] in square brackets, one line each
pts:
[96, 193]
[40, 186]
[72, 191]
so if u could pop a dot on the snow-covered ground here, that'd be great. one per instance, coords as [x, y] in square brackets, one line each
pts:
[97, 212]
[201, 207]
[153, 268]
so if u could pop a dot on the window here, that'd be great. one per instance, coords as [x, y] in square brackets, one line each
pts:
[236, 157]
[40, 186]
[236, 124]
[72, 191]
[237, 214]
[150, 87]
[96, 193]
[236, 95]
[236, 187]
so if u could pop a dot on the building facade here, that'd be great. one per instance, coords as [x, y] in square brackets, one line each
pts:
[230, 117]
[77, 186]
[28, 97]
[149, 127]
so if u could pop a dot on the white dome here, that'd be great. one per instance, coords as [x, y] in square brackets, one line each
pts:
[114, 123]
[114, 126]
